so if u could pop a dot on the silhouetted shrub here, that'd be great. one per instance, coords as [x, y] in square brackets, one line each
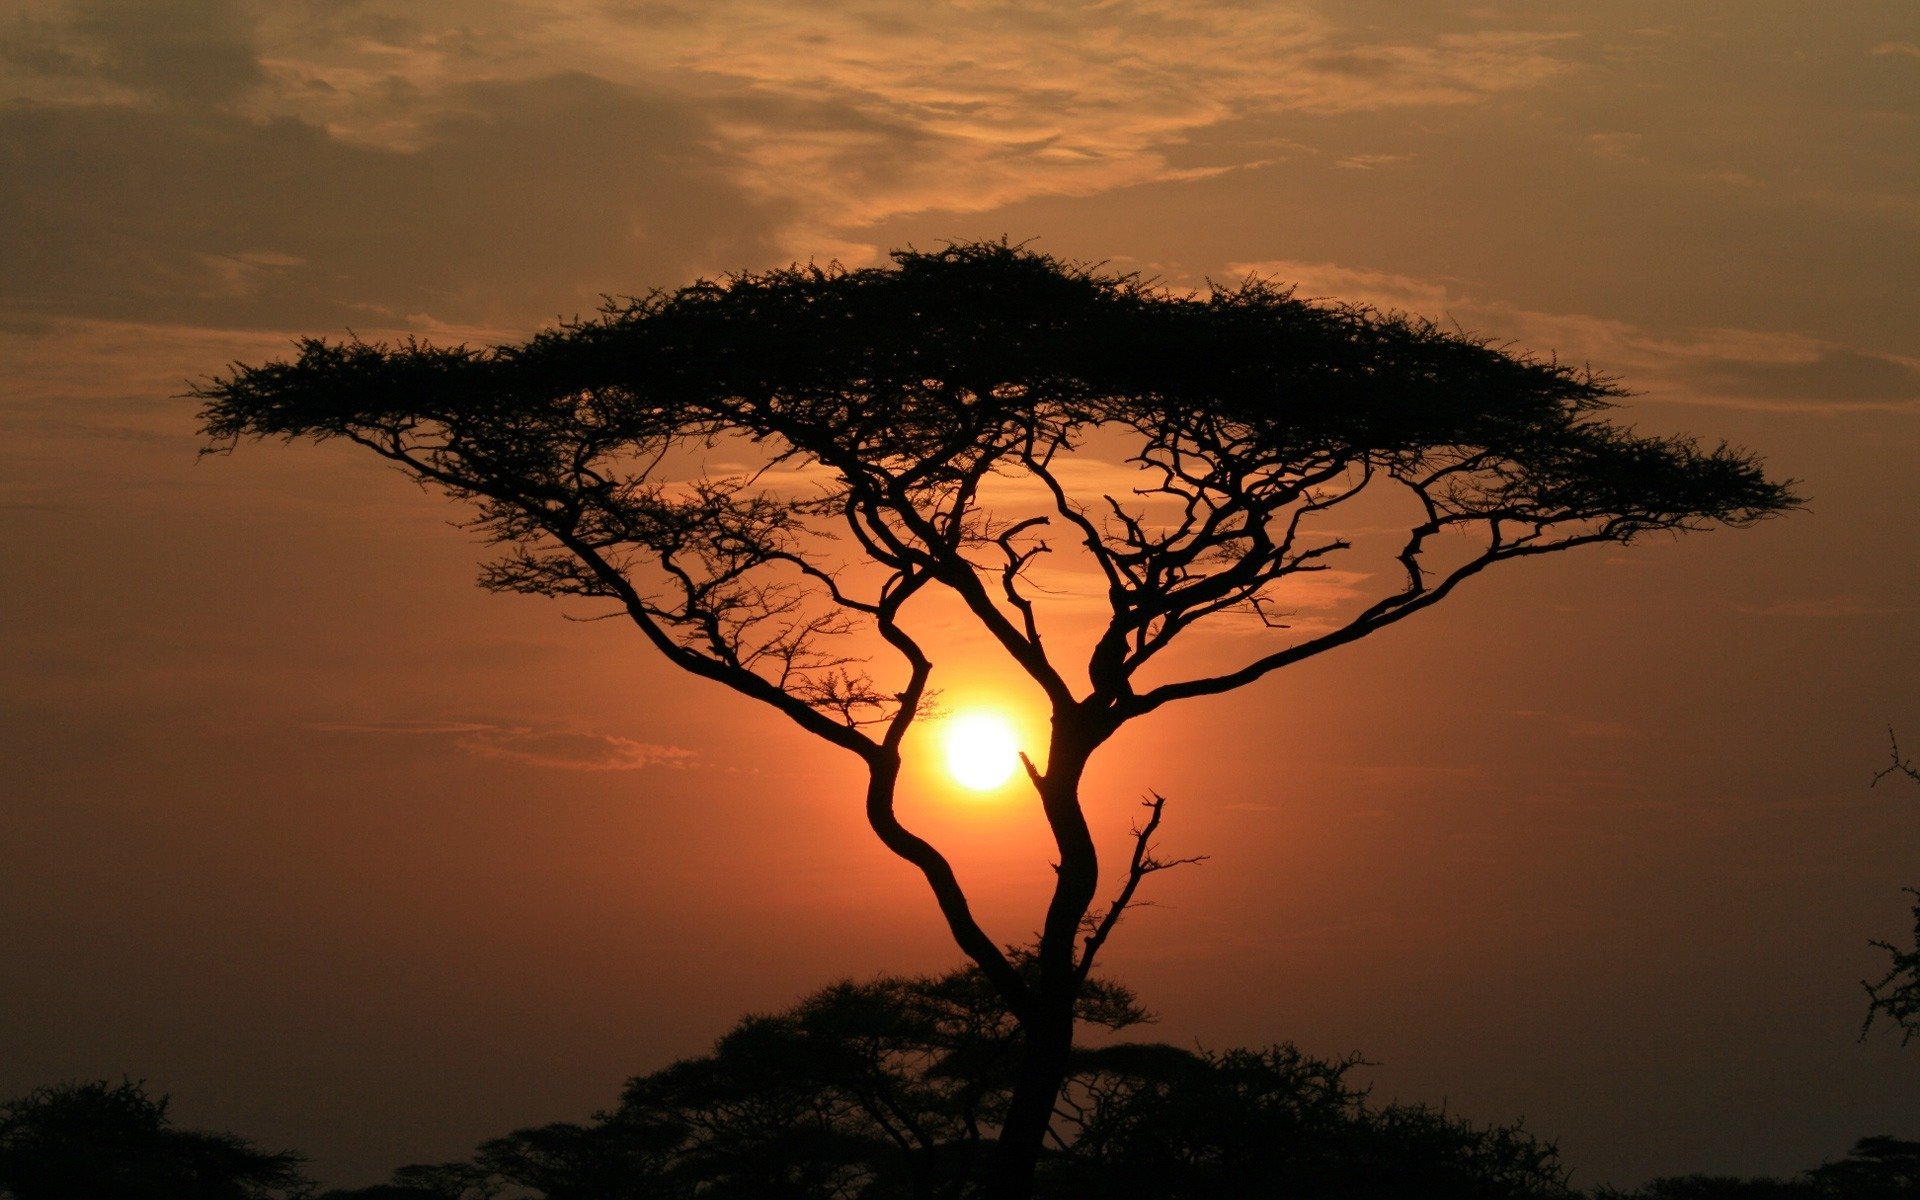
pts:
[892, 1090]
[99, 1141]
[1159, 1123]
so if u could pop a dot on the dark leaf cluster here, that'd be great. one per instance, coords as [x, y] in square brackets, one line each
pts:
[1895, 996]
[893, 1090]
[101, 1141]
[886, 399]
[1878, 1168]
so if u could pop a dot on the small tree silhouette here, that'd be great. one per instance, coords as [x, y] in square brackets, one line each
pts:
[882, 1090]
[1877, 1168]
[911, 431]
[90, 1141]
[1897, 994]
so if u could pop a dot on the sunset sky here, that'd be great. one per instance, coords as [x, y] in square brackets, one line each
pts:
[354, 858]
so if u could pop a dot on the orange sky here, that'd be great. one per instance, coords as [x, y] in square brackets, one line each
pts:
[354, 858]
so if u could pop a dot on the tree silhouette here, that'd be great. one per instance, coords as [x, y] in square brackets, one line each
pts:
[1896, 996]
[1877, 1168]
[1155, 1122]
[881, 1091]
[89, 1141]
[924, 429]
[1719, 1187]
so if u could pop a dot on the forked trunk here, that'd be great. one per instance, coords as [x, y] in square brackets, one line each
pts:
[1047, 1046]
[1047, 1023]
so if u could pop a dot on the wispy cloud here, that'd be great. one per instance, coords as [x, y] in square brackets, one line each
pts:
[401, 728]
[972, 106]
[1723, 367]
[130, 213]
[833, 116]
[561, 749]
[193, 52]
[1826, 606]
[1370, 162]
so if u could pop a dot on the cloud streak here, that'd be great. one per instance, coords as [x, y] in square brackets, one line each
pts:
[1722, 367]
[667, 122]
[557, 749]
[1825, 608]
[977, 105]
[130, 213]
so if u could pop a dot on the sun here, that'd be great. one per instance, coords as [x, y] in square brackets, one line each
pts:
[982, 750]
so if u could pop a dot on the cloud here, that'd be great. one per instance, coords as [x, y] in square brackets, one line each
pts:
[524, 202]
[425, 728]
[1369, 162]
[1896, 50]
[195, 52]
[1730, 178]
[1742, 368]
[572, 751]
[554, 748]
[38, 48]
[175, 53]
[989, 103]
[1831, 377]
[1826, 607]
[1358, 285]
[816, 119]
[1617, 147]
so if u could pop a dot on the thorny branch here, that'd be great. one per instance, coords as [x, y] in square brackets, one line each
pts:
[1144, 863]
[1896, 995]
[1899, 765]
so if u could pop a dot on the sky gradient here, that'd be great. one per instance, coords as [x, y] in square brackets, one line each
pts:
[357, 859]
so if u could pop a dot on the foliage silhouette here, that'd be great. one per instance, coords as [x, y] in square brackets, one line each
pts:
[1717, 1187]
[1274, 1122]
[99, 1141]
[1896, 995]
[910, 431]
[443, 1181]
[1878, 1168]
[888, 1090]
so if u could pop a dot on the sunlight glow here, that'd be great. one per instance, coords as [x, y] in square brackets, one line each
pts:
[982, 750]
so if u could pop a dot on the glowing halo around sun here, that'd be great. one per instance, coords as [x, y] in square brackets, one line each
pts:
[983, 750]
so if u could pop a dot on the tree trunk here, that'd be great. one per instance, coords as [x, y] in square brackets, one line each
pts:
[1047, 1044]
[1047, 1025]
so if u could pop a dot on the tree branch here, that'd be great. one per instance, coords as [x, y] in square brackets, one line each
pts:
[1376, 617]
[1142, 865]
[1899, 765]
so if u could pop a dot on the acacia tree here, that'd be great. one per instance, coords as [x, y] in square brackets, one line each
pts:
[911, 429]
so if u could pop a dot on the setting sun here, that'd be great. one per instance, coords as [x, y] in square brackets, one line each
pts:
[982, 750]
